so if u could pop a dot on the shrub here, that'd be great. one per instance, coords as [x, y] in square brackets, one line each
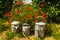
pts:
[5, 5]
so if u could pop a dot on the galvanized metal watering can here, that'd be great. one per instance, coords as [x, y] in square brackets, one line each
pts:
[26, 29]
[39, 29]
[14, 26]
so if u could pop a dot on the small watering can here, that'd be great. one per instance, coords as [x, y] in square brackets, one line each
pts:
[39, 29]
[15, 25]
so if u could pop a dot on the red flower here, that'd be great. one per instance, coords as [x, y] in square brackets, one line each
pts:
[28, 8]
[20, 3]
[9, 22]
[44, 15]
[36, 20]
[42, 5]
[8, 14]
[22, 19]
[17, 11]
[29, 16]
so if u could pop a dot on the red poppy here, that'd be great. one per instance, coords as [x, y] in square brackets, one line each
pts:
[29, 16]
[8, 14]
[44, 15]
[17, 11]
[9, 22]
[22, 19]
[36, 20]
[20, 3]
[42, 5]
[28, 8]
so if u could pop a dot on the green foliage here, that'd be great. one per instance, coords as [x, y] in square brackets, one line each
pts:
[53, 14]
[10, 35]
[57, 36]
[51, 8]
[48, 30]
[5, 5]
[54, 31]
[53, 11]
[20, 34]
[2, 27]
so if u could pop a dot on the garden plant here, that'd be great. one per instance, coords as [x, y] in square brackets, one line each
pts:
[30, 13]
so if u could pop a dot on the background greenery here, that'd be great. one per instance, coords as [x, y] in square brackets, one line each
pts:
[5, 5]
[51, 7]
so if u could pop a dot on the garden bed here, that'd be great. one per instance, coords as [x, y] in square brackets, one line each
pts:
[3, 36]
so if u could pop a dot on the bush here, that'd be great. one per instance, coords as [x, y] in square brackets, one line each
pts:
[52, 9]
[5, 5]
